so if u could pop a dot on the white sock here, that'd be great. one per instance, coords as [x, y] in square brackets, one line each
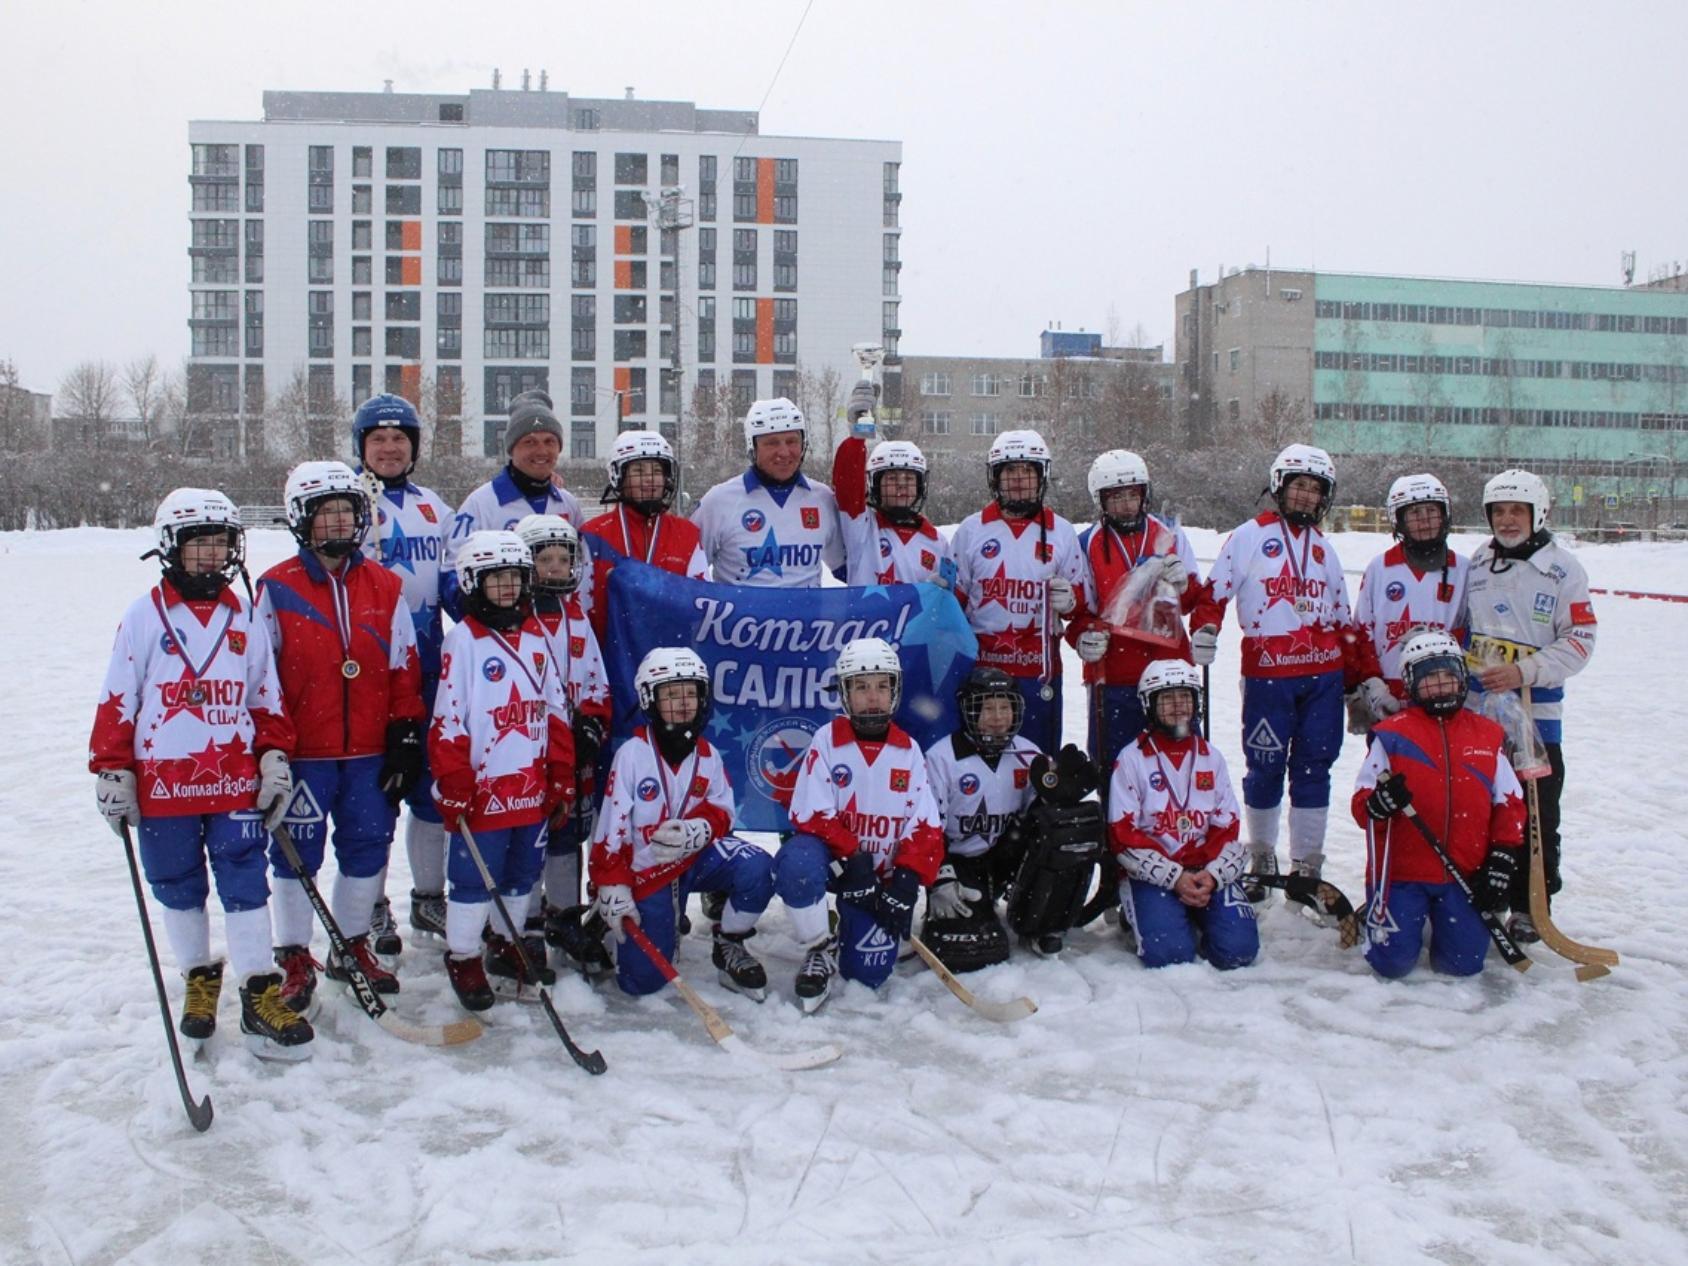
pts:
[425, 843]
[189, 934]
[562, 880]
[463, 923]
[353, 903]
[290, 912]
[248, 933]
[808, 923]
[1306, 831]
[734, 920]
[518, 908]
[1262, 827]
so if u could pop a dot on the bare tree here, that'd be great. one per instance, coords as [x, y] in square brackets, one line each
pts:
[90, 393]
[1279, 419]
[18, 430]
[144, 386]
[288, 418]
[820, 397]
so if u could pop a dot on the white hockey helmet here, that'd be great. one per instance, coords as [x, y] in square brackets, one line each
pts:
[309, 484]
[1168, 674]
[1428, 651]
[541, 531]
[190, 512]
[863, 657]
[1523, 486]
[1412, 490]
[1303, 459]
[663, 664]
[771, 417]
[1017, 446]
[486, 552]
[1117, 468]
[633, 446]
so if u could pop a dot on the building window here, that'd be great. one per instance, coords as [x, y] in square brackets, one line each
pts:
[891, 170]
[744, 390]
[361, 200]
[888, 281]
[451, 199]
[981, 424]
[986, 384]
[1236, 359]
[630, 345]
[936, 383]
[585, 203]
[530, 166]
[362, 272]
[1031, 385]
[360, 305]
[404, 305]
[632, 169]
[362, 162]
[361, 341]
[629, 204]
[404, 199]
[404, 162]
[934, 422]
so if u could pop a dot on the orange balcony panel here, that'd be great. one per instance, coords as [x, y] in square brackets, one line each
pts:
[764, 191]
[765, 329]
[624, 239]
[412, 235]
[624, 274]
[623, 384]
[410, 270]
[410, 383]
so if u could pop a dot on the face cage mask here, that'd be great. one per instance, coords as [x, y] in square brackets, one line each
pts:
[1136, 522]
[973, 705]
[1425, 554]
[648, 508]
[902, 515]
[206, 584]
[1021, 509]
[558, 588]
[871, 725]
[676, 739]
[1439, 708]
[1303, 518]
[493, 616]
[1184, 729]
[339, 547]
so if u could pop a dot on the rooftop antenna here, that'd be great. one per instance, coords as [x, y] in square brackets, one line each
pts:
[543, 79]
[1629, 267]
[497, 79]
[525, 79]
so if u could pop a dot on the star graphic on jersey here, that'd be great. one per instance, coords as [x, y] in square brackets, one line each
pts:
[764, 557]
[1282, 591]
[182, 689]
[509, 717]
[393, 553]
[994, 588]
[209, 762]
[1301, 641]
[1396, 630]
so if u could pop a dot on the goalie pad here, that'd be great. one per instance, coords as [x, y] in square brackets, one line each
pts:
[976, 939]
[1063, 845]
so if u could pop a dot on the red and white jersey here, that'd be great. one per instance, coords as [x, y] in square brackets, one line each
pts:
[643, 792]
[975, 801]
[1290, 595]
[784, 538]
[1003, 567]
[855, 794]
[1395, 599]
[1112, 556]
[575, 650]
[501, 725]
[1173, 810]
[192, 735]
[876, 550]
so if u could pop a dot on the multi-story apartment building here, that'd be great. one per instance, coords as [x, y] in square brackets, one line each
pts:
[623, 254]
[1587, 385]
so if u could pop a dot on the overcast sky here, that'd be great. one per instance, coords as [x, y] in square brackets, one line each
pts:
[1062, 162]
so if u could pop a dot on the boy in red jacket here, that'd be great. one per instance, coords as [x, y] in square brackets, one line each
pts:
[1450, 765]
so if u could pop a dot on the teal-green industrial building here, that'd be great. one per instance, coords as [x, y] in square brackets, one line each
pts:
[1586, 385]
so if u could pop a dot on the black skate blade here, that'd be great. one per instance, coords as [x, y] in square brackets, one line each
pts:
[728, 983]
[274, 1052]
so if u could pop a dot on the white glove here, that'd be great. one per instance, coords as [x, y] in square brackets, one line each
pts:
[678, 838]
[114, 793]
[1379, 698]
[1092, 645]
[1174, 572]
[275, 787]
[948, 898]
[614, 903]
[1061, 595]
[1204, 644]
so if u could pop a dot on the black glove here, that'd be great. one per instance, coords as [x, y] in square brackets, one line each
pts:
[401, 767]
[893, 907]
[856, 884]
[1388, 798]
[1491, 883]
[588, 740]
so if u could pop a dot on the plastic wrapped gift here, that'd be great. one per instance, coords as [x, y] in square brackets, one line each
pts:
[1146, 609]
[1523, 744]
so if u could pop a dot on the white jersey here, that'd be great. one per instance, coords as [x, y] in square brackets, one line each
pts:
[408, 538]
[784, 538]
[883, 805]
[1173, 810]
[643, 792]
[975, 801]
[574, 649]
[1396, 599]
[1290, 595]
[1003, 569]
[880, 553]
[1534, 612]
[497, 506]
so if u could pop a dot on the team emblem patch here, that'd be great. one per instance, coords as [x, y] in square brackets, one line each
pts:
[539, 661]
[1044, 552]
[1204, 780]
[884, 546]
[237, 641]
[841, 775]
[899, 780]
[1022, 777]
[1582, 613]
[970, 784]
[1271, 547]
[1395, 591]
[427, 512]
[1318, 553]
[928, 560]
[753, 520]
[493, 669]
[167, 643]
[1157, 780]
[811, 517]
[577, 647]
[648, 789]
[700, 786]
[991, 548]
[773, 754]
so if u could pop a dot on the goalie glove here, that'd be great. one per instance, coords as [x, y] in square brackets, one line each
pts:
[949, 898]
[678, 838]
[275, 787]
[114, 794]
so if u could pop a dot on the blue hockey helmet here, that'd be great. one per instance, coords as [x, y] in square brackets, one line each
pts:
[387, 410]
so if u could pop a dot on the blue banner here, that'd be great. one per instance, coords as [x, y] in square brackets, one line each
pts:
[771, 653]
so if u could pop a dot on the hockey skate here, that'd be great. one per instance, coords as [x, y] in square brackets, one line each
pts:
[199, 1008]
[814, 978]
[380, 979]
[298, 985]
[1262, 861]
[468, 981]
[427, 916]
[384, 930]
[736, 967]
[272, 1029]
[509, 967]
[1044, 945]
[1311, 868]
[580, 935]
[1522, 929]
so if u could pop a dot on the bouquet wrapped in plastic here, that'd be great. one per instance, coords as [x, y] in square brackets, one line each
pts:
[1146, 608]
[1507, 709]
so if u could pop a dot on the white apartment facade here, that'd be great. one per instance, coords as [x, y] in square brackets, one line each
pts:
[460, 249]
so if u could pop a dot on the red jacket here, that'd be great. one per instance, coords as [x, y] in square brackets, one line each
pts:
[1462, 787]
[337, 716]
[678, 548]
[1110, 564]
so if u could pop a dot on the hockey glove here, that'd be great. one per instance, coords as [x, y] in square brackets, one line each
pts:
[401, 767]
[1359, 715]
[275, 787]
[1379, 698]
[678, 838]
[949, 898]
[454, 804]
[857, 885]
[1061, 598]
[114, 793]
[893, 907]
[1204, 645]
[1175, 573]
[1093, 645]
[1388, 798]
[1491, 885]
[588, 740]
[859, 408]
[612, 904]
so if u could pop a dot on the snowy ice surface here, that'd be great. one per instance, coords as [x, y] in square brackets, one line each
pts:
[1296, 1111]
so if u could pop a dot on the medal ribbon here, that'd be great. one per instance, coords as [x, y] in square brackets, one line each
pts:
[685, 787]
[342, 613]
[1298, 571]
[627, 537]
[1180, 804]
[1132, 556]
[510, 650]
[179, 651]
